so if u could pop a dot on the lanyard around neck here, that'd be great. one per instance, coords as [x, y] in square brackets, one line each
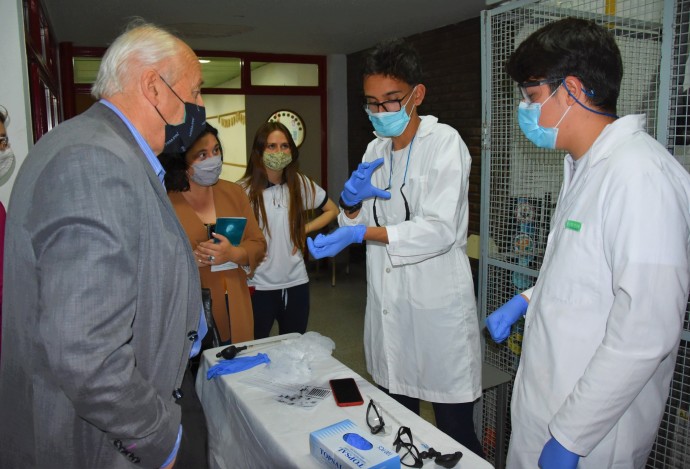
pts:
[390, 179]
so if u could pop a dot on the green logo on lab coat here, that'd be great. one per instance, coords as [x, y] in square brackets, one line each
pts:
[573, 225]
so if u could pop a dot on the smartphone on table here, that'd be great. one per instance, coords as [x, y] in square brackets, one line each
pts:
[346, 392]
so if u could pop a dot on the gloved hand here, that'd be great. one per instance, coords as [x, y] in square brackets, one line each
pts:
[555, 456]
[500, 321]
[237, 364]
[332, 243]
[359, 187]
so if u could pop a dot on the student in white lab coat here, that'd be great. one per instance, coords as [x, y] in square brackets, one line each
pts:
[421, 334]
[604, 319]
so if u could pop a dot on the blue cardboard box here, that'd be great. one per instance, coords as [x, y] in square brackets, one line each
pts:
[345, 445]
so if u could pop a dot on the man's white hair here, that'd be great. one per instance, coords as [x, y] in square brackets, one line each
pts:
[141, 46]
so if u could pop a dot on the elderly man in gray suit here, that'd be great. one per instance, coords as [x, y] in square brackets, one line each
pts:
[102, 299]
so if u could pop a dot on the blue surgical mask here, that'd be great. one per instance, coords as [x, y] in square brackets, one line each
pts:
[391, 124]
[528, 119]
[207, 172]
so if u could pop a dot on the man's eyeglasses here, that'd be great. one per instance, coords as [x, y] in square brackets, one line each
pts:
[4, 142]
[530, 84]
[392, 105]
[411, 457]
[374, 418]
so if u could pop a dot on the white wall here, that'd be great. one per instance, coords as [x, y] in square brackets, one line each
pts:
[231, 131]
[14, 88]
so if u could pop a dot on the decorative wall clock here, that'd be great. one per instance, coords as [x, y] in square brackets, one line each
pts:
[293, 122]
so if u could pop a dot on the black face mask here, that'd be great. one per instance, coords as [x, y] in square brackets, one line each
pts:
[180, 137]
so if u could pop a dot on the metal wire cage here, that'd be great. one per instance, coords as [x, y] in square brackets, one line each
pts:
[520, 182]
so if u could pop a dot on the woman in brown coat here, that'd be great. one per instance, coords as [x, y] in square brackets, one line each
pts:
[199, 198]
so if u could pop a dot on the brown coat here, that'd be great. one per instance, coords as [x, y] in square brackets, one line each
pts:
[230, 201]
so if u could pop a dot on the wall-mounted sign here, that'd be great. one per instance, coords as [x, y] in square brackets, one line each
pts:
[293, 122]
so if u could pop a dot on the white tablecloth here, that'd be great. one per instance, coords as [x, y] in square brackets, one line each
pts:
[249, 429]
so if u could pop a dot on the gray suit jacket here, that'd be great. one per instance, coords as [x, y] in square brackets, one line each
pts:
[101, 292]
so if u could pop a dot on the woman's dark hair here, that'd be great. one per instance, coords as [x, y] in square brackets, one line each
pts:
[176, 166]
[256, 180]
[572, 47]
[396, 59]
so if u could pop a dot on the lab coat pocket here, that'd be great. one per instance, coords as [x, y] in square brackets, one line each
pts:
[576, 271]
[432, 284]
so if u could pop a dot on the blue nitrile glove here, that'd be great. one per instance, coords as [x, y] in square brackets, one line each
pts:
[332, 243]
[227, 367]
[555, 456]
[500, 321]
[359, 187]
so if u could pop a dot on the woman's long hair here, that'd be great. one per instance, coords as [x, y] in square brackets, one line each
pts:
[255, 180]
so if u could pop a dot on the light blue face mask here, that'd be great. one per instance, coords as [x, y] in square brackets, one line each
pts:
[391, 124]
[207, 172]
[528, 119]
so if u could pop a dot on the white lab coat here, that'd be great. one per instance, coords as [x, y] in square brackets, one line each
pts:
[421, 332]
[605, 316]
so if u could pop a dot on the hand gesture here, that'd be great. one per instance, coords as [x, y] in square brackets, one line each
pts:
[331, 244]
[359, 187]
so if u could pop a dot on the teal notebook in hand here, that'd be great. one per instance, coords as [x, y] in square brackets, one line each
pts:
[232, 228]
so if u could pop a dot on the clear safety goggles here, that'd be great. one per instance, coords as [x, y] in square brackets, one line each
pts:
[530, 84]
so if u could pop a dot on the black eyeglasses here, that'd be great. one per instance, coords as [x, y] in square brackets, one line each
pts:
[413, 458]
[374, 419]
[407, 207]
[392, 105]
